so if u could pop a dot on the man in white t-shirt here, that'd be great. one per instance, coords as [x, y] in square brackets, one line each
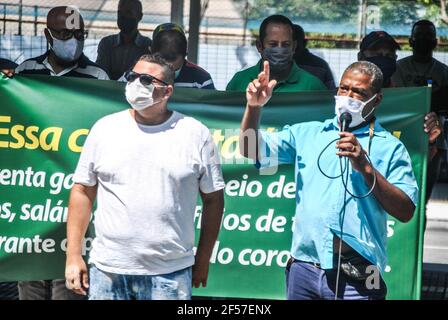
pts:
[145, 165]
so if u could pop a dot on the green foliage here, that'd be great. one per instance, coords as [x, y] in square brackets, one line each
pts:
[307, 10]
[343, 11]
[398, 12]
[324, 40]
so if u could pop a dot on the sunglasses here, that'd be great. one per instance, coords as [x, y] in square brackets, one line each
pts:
[145, 79]
[66, 34]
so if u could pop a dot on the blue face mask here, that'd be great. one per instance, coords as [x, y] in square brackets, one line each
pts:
[67, 50]
[387, 65]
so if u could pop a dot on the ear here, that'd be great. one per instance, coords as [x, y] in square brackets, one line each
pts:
[48, 37]
[169, 91]
[259, 46]
[411, 42]
[140, 17]
[378, 99]
[367, 111]
[294, 46]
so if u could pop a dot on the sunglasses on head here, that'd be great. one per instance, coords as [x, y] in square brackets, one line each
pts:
[145, 79]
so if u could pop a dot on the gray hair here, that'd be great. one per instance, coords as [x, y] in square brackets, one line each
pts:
[370, 69]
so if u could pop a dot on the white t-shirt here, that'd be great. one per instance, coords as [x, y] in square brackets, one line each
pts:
[148, 181]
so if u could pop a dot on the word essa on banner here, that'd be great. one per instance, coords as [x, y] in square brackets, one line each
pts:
[19, 136]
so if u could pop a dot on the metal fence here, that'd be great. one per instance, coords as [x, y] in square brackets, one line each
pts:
[225, 47]
[221, 57]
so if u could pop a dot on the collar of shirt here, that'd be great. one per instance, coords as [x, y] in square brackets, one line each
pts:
[43, 59]
[293, 77]
[139, 40]
[333, 124]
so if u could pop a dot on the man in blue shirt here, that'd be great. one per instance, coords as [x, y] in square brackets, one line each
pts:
[336, 247]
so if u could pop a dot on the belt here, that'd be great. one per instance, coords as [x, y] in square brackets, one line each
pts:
[315, 264]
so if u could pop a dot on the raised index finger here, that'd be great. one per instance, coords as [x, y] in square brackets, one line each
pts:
[266, 70]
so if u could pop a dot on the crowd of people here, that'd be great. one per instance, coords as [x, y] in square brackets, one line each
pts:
[144, 233]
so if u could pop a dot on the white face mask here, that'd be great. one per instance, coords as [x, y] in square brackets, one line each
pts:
[138, 95]
[67, 50]
[354, 107]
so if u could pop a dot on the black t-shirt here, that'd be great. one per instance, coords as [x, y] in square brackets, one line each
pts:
[414, 74]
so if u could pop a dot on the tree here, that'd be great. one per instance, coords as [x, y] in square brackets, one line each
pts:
[443, 12]
[342, 11]
[398, 12]
[441, 5]
[306, 10]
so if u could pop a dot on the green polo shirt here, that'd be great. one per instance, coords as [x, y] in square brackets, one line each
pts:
[298, 80]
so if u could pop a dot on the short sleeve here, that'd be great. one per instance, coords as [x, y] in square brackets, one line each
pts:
[85, 173]
[276, 148]
[232, 85]
[401, 174]
[208, 84]
[211, 178]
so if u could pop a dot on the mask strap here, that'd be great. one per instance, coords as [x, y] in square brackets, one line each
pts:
[366, 103]
[51, 35]
[373, 97]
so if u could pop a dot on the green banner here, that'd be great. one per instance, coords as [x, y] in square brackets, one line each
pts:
[43, 125]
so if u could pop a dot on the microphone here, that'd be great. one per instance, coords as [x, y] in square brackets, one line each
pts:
[345, 119]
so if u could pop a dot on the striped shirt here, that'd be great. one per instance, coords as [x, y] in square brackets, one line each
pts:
[193, 76]
[83, 68]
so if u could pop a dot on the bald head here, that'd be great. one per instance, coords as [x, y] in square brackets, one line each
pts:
[65, 17]
[65, 25]
[130, 9]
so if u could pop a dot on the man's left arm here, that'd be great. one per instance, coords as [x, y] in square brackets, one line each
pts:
[396, 202]
[212, 211]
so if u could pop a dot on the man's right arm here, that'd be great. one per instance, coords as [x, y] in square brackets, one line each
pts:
[258, 94]
[79, 211]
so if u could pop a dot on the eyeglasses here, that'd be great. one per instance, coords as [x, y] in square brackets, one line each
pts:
[66, 34]
[145, 79]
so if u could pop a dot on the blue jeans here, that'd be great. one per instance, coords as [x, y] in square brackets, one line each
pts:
[304, 281]
[46, 290]
[111, 286]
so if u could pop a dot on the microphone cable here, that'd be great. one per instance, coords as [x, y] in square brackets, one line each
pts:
[344, 169]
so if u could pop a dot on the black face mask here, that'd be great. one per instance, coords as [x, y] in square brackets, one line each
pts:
[279, 58]
[423, 46]
[387, 65]
[127, 25]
